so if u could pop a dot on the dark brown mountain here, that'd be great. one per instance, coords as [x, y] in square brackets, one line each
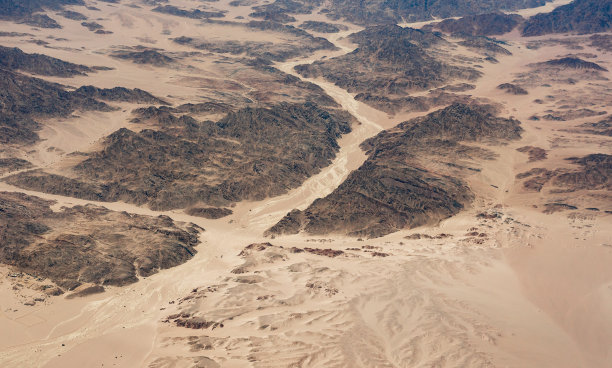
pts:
[28, 11]
[251, 154]
[575, 63]
[480, 25]
[192, 13]
[579, 16]
[398, 187]
[389, 59]
[13, 58]
[323, 27]
[370, 12]
[24, 99]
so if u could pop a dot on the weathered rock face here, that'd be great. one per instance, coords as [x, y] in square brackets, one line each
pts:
[24, 99]
[12, 164]
[323, 27]
[146, 56]
[88, 244]
[370, 12]
[602, 127]
[512, 89]
[575, 63]
[26, 11]
[191, 13]
[593, 173]
[250, 154]
[394, 189]
[389, 60]
[15, 59]
[299, 42]
[579, 16]
[212, 213]
[480, 25]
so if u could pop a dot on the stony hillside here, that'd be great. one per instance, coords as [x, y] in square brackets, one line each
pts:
[579, 16]
[398, 187]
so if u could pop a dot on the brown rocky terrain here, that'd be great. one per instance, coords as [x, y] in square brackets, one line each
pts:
[252, 153]
[13, 164]
[593, 172]
[191, 13]
[393, 190]
[483, 281]
[323, 27]
[602, 127]
[17, 60]
[580, 16]
[512, 89]
[389, 63]
[88, 244]
[300, 42]
[212, 213]
[144, 56]
[535, 153]
[386, 12]
[490, 24]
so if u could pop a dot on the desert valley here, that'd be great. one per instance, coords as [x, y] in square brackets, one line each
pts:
[305, 183]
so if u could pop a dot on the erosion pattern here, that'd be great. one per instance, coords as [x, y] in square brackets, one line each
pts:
[393, 189]
[88, 244]
[251, 154]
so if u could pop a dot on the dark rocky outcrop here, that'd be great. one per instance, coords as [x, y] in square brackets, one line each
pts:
[579, 16]
[274, 16]
[12, 164]
[300, 43]
[389, 60]
[12, 58]
[11, 9]
[193, 13]
[396, 11]
[88, 244]
[40, 20]
[24, 98]
[122, 94]
[535, 153]
[396, 187]
[488, 46]
[490, 24]
[146, 56]
[512, 89]
[212, 213]
[594, 172]
[575, 63]
[602, 127]
[323, 27]
[69, 14]
[252, 154]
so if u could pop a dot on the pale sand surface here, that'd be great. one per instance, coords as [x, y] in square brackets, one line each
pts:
[536, 293]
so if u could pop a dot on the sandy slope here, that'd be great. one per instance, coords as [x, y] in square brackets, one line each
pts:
[536, 292]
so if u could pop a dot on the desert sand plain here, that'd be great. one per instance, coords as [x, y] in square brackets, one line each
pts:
[501, 284]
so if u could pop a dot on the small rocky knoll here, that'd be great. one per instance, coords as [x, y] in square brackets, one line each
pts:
[89, 244]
